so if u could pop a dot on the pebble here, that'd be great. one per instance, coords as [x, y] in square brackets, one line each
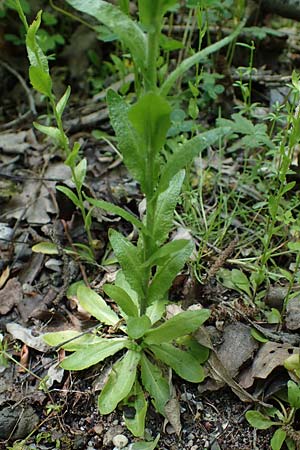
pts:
[195, 447]
[191, 436]
[120, 440]
[186, 396]
[190, 443]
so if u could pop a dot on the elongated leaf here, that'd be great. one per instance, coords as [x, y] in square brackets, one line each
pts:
[123, 300]
[136, 401]
[40, 80]
[122, 25]
[150, 116]
[61, 104]
[197, 58]
[80, 172]
[119, 383]
[114, 209]
[35, 53]
[165, 206]
[47, 248]
[183, 323]
[96, 306]
[166, 273]
[278, 439]
[137, 326]
[187, 152]
[258, 420]
[71, 340]
[156, 310]
[53, 132]
[69, 193]
[294, 394]
[72, 158]
[164, 252]
[155, 384]
[129, 259]
[182, 362]
[91, 354]
[132, 149]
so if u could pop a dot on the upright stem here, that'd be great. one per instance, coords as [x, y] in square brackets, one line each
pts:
[152, 53]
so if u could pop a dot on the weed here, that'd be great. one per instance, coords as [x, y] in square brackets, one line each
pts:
[281, 417]
[151, 344]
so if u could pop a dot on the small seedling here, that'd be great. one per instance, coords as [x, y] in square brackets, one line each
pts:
[282, 417]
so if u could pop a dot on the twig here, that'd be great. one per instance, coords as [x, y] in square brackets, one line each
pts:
[23, 84]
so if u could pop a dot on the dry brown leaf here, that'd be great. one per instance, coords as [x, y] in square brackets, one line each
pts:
[10, 295]
[270, 356]
[172, 411]
[25, 335]
[292, 319]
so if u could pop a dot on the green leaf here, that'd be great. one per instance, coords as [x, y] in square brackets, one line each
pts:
[96, 306]
[187, 63]
[130, 261]
[155, 384]
[150, 117]
[156, 310]
[185, 153]
[40, 80]
[294, 394]
[70, 340]
[114, 209]
[258, 336]
[47, 248]
[123, 300]
[240, 280]
[182, 362]
[278, 439]
[69, 193]
[72, 158]
[291, 445]
[145, 445]
[122, 25]
[164, 252]
[164, 209]
[183, 323]
[132, 150]
[293, 363]
[80, 173]
[166, 273]
[53, 132]
[136, 401]
[61, 104]
[137, 326]
[119, 383]
[258, 420]
[198, 351]
[92, 354]
[35, 53]
[152, 11]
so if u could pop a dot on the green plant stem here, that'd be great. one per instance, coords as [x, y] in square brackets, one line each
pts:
[152, 53]
[66, 149]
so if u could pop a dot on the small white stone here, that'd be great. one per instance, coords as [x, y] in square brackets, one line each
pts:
[120, 441]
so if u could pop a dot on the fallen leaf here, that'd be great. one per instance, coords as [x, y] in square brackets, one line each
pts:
[270, 356]
[292, 319]
[25, 335]
[172, 411]
[10, 295]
